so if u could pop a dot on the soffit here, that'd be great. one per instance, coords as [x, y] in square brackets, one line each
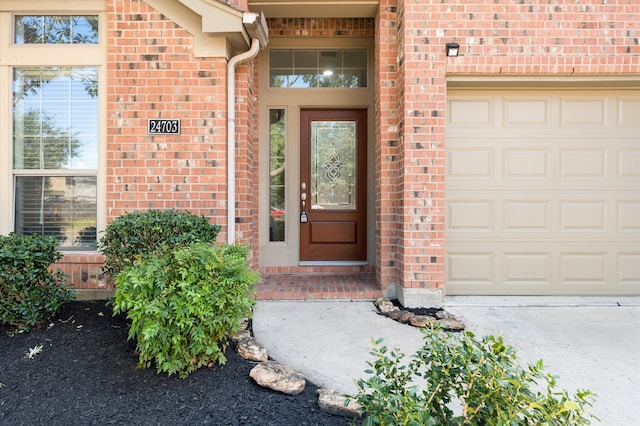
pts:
[315, 8]
[217, 27]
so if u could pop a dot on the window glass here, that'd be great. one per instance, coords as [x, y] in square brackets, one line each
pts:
[305, 58]
[333, 165]
[63, 207]
[56, 29]
[55, 118]
[277, 213]
[281, 58]
[55, 153]
[314, 68]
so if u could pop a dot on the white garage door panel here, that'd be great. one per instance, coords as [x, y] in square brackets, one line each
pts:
[534, 269]
[553, 216]
[543, 192]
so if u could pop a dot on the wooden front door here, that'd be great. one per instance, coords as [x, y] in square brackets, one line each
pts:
[333, 185]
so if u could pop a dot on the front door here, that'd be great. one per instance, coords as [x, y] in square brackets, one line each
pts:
[333, 191]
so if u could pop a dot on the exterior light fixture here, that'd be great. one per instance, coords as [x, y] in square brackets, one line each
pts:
[452, 49]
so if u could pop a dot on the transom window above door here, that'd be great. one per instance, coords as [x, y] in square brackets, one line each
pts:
[318, 68]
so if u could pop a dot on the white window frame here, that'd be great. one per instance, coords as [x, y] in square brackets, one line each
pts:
[39, 55]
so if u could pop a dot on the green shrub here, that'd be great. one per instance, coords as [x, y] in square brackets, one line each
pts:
[136, 234]
[483, 376]
[29, 292]
[184, 303]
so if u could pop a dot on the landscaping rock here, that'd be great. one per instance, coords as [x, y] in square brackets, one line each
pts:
[241, 334]
[332, 402]
[444, 315]
[278, 377]
[421, 320]
[401, 316]
[419, 317]
[451, 324]
[249, 348]
[385, 306]
[243, 330]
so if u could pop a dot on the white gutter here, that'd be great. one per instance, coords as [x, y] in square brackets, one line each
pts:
[231, 135]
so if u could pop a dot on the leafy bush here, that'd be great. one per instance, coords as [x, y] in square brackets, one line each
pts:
[136, 234]
[484, 376]
[184, 303]
[29, 292]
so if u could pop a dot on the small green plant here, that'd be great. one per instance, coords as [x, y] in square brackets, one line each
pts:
[30, 292]
[184, 303]
[136, 234]
[483, 376]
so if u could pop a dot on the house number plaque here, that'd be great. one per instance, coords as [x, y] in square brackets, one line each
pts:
[163, 126]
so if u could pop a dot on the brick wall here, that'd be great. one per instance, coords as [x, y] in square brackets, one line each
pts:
[246, 154]
[421, 153]
[153, 73]
[502, 37]
[320, 27]
[83, 271]
[536, 37]
[386, 147]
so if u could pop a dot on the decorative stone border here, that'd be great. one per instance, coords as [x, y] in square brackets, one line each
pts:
[285, 379]
[419, 317]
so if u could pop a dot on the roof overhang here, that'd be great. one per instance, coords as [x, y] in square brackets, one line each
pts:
[316, 8]
[217, 28]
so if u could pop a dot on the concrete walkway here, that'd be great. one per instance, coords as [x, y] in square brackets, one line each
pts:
[591, 343]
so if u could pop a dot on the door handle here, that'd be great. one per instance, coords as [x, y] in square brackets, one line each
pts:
[303, 199]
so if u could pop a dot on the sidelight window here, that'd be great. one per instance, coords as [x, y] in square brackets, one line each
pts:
[277, 212]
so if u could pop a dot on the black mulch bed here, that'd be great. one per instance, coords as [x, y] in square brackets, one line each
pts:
[86, 374]
[418, 311]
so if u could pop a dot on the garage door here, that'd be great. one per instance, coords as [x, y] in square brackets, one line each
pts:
[543, 192]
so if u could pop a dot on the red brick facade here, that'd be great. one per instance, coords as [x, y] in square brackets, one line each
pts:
[152, 72]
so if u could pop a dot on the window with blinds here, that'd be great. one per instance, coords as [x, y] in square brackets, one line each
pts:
[55, 153]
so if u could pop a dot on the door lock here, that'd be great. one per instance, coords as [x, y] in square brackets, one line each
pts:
[303, 198]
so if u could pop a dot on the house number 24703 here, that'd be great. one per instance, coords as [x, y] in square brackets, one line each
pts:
[162, 126]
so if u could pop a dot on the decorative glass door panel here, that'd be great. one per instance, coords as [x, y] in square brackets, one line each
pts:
[333, 177]
[333, 165]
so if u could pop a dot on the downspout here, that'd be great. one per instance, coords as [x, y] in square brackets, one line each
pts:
[231, 135]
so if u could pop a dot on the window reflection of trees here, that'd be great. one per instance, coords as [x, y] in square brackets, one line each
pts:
[318, 68]
[277, 211]
[41, 144]
[56, 29]
[342, 80]
[54, 124]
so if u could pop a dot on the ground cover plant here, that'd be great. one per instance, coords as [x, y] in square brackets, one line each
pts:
[184, 303]
[134, 235]
[30, 292]
[483, 376]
